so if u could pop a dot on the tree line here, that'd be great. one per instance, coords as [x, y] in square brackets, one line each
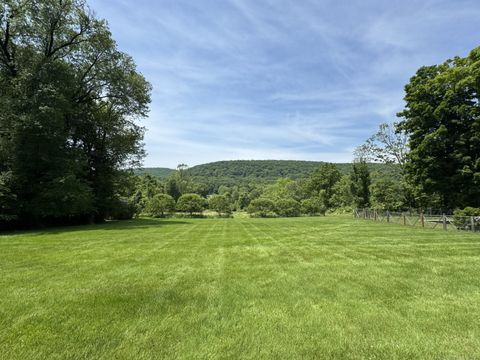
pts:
[70, 102]
[326, 189]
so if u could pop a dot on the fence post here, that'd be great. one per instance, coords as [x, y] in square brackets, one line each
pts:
[444, 222]
[404, 219]
[472, 223]
[388, 216]
[375, 215]
[422, 219]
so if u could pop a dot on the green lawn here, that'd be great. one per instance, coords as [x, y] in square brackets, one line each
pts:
[302, 288]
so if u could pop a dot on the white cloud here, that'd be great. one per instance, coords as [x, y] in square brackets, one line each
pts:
[285, 79]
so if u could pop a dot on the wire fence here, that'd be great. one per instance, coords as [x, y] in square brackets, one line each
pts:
[420, 218]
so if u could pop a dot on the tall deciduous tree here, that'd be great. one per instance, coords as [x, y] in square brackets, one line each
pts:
[69, 100]
[388, 145]
[442, 118]
[322, 181]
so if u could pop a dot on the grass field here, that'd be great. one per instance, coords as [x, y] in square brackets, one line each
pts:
[306, 288]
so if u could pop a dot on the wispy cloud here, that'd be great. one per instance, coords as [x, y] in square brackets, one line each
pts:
[278, 79]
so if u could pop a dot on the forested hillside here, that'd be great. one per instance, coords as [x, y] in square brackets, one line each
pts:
[236, 172]
[158, 172]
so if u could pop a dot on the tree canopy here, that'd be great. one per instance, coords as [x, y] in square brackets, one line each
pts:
[442, 119]
[69, 101]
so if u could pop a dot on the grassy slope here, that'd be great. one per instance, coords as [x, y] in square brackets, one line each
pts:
[240, 288]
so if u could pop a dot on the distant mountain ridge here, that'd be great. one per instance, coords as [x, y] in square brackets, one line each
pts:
[264, 170]
[259, 169]
[155, 171]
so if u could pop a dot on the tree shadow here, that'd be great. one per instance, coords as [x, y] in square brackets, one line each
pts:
[108, 225]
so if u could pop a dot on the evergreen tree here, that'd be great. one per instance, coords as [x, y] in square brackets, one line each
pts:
[360, 184]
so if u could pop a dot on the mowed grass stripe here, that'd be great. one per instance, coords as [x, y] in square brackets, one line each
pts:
[303, 288]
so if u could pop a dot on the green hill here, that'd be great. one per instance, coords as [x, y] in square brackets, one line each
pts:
[259, 169]
[238, 172]
[159, 172]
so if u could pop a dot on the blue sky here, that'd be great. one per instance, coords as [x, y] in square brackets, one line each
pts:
[280, 79]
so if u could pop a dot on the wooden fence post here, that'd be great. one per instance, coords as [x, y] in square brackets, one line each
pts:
[375, 215]
[422, 219]
[472, 223]
[388, 216]
[444, 222]
[404, 219]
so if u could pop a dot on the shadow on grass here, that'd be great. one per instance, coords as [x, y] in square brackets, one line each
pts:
[109, 225]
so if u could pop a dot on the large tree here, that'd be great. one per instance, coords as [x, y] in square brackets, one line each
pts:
[388, 145]
[322, 182]
[442, 118]
[69, 100]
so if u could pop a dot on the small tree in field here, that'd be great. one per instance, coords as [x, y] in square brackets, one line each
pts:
[261, 207]
[313, 206]
[159, 205]
[220, 204]
[287, 207]
[191, 203]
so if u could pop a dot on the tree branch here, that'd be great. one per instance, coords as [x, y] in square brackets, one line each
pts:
[7, 56]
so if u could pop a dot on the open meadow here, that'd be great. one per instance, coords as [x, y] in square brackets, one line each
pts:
[312, 288]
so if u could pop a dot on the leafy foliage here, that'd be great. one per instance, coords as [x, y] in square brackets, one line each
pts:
[462, 218]
[220, 204]
[122, 209]
[191, 203]
[322, 182]
[388, 145]
[287, 207]
[388, 195]
[68, 104]
[442, 119]
[261, 207]
[313, 206]
[360, 184]
[160, 204]
[161, 173]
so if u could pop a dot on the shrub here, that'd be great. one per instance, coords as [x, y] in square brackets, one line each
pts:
[287, 207]
[313, 206]
[261, 207]
[122, 209]
[220, 204]
[191, 203]
[462, 218]
[160, 204]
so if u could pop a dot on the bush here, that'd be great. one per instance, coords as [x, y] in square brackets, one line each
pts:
[462, 218]
[287, 207]
[220, 204]
[313, 206]
[261, 207]
[160, 204]
[122, 209]
[191, 203]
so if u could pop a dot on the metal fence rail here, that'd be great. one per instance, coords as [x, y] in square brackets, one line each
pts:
[419, 218]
